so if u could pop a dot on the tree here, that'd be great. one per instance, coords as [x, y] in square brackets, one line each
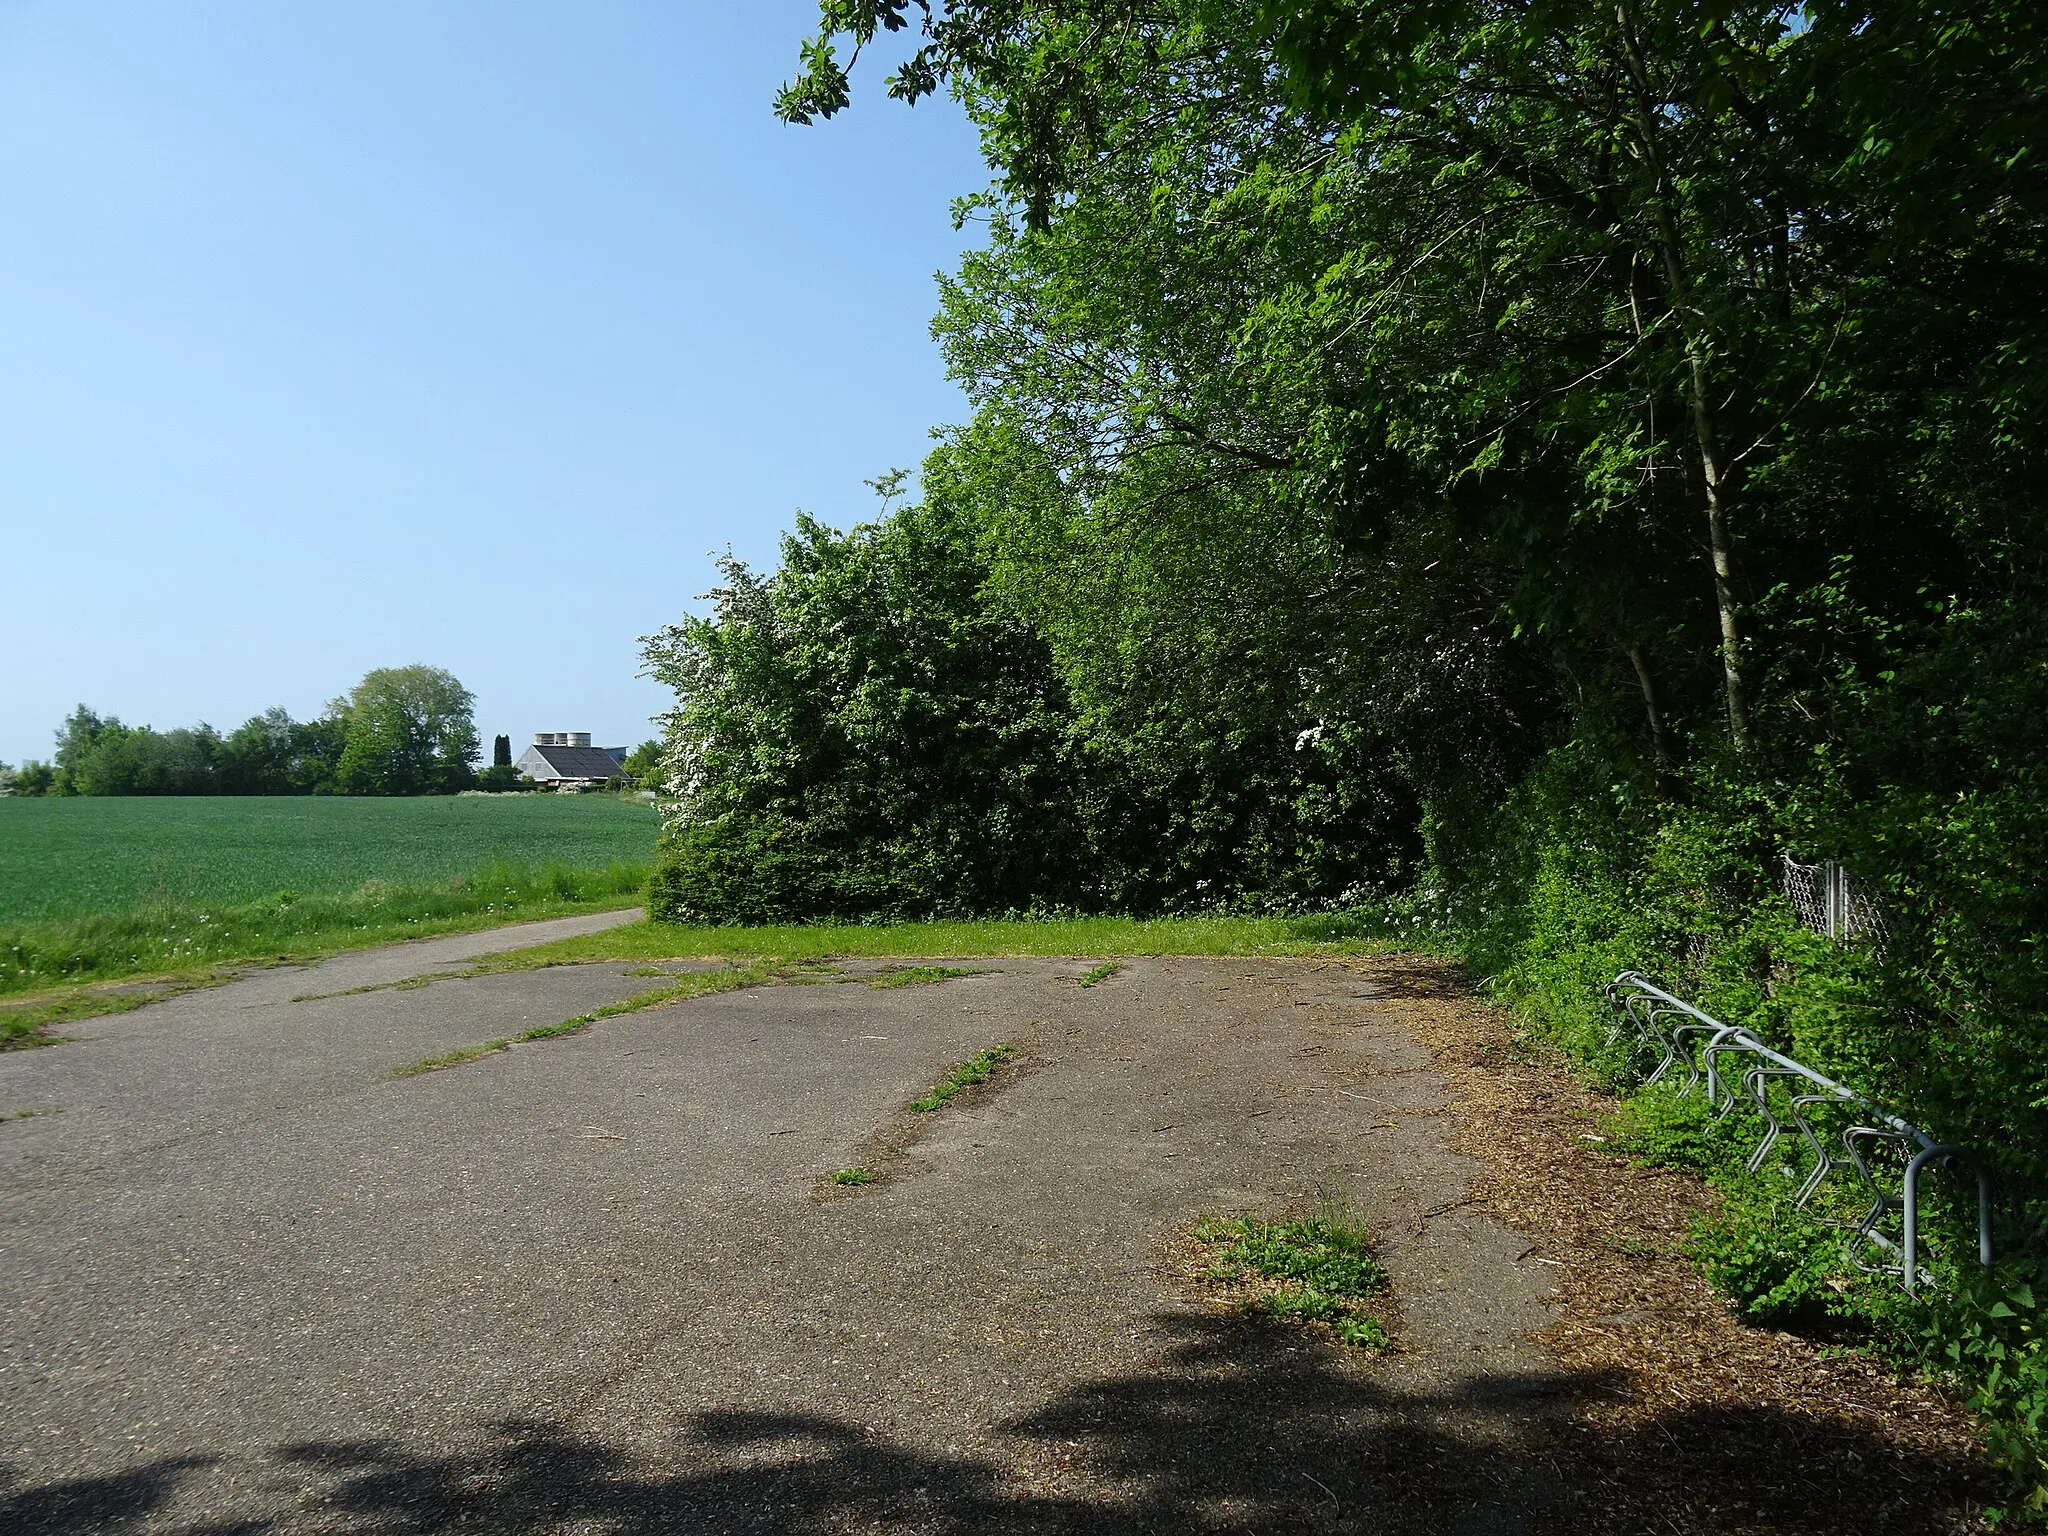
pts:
[859, 735]
[1626, 420]
[643, 765]
[501, 751]
[409, 731]
[273, 754]
[76, 737]
[256, 757]
[1574, 283]
[98, 756]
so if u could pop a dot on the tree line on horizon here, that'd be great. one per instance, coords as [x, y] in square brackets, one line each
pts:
[400, 731]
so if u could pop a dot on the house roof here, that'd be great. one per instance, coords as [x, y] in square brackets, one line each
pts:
[572, 762]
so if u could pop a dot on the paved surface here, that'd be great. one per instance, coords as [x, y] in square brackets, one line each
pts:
[597, 1283]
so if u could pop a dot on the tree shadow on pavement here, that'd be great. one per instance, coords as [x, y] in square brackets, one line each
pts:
[1242, 1425]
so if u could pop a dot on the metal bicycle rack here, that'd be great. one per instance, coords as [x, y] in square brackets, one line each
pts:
[1880, 1153]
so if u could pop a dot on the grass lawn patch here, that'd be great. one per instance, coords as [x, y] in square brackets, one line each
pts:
[978, 1068]
[1333, 934]
[1312, 1269]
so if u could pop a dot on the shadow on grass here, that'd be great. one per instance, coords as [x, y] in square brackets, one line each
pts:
[1242, 1426]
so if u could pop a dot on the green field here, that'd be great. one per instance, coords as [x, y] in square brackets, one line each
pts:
[98, 857]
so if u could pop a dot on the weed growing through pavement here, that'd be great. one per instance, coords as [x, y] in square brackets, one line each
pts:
[918, 975]
[1101, 973]
[407, 984]
[698, 985]
[451, 1058]
[853, 1176]
[976, 1069]
[1313, 1269]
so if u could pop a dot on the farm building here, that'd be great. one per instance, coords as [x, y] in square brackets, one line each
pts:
[567, 760]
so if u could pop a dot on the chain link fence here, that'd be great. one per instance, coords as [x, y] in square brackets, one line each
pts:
[1829, 900]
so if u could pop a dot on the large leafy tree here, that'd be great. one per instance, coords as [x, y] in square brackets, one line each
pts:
[273, 754]
[857, 734]
[872, 729]
[1560, 288]
[409, 731]
[1624, 417]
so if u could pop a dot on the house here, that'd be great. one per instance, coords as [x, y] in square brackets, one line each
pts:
[566, 760]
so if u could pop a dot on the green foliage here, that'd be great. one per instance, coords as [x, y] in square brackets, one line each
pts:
[867, 734]
[643, 765]
[1659, 1127]
[1780, 1267]
[978, 1068]
[504, 779]
[853, 1176]
[411, 735]
[1311, 1269]
[33, 777]
[917, 976]
[273, 754]
[857, 735]
[105, 757]
[1054, 936]
[1988, 1333]
[410, 731]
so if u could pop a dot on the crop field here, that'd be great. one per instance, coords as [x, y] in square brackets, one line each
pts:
[77, 858]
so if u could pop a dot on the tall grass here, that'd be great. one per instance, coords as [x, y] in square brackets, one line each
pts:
[174, 938]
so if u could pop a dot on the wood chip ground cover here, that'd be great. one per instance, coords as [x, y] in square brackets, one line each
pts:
[1714, 1425]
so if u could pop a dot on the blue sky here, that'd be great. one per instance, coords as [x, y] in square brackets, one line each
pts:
[350, 336]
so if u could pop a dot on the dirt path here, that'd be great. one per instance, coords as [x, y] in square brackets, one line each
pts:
[596, 1283]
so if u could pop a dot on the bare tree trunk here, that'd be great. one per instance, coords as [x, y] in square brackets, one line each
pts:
[1713, 467]
[1714, 474]
[1660, 743]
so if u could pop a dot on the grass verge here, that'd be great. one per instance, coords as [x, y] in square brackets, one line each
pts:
[978, 1068]
[33, 1021]
[177, 941]
[1334, 934]
[1313, 1269]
